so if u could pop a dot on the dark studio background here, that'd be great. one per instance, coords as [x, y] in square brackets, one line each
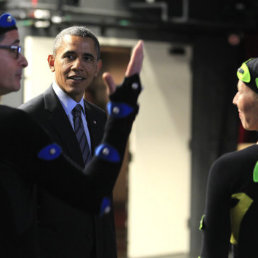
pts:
[222, 33]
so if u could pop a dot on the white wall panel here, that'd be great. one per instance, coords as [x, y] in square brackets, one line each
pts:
[159, 179]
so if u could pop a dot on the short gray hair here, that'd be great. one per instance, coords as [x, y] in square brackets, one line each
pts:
[80, 31]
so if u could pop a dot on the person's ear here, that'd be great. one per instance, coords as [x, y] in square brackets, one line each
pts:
[51, 62]
[99, 66]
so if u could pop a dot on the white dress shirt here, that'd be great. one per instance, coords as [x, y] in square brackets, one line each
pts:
[68, 104]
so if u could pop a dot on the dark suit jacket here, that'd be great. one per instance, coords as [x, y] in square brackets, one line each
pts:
[22, 168]
[65, 231]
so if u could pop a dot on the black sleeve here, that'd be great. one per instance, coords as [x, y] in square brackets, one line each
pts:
[215, 223]
[29, 150]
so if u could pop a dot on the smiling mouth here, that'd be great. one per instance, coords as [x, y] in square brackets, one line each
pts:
[76, 78]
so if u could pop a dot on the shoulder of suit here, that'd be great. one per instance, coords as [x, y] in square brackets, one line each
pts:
[33, 104]
[94, 107]
[12, 116]
[36, 102]
[234, 160]
[9, 112]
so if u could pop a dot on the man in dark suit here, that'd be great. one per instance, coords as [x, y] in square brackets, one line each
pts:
[28, 156]
[66, 231]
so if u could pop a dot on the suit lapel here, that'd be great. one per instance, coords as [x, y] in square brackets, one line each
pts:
[61, 126]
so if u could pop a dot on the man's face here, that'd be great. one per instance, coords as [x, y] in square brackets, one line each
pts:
[11, 66]
[75, 65]
[246, 101]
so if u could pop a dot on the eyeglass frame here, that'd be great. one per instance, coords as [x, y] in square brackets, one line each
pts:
[16, 49]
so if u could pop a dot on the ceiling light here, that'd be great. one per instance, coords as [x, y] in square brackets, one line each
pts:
[42, 24]
[56, 19]
[41, 14]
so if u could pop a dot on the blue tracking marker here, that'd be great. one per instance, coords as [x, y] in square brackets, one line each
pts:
[50, 152]
[118, 109]
[107, 152]
[105, 206]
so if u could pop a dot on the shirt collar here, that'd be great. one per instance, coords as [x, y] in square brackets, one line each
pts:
[67, 102]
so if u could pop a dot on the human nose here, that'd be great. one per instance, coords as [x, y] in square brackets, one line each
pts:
[77, 64]
[235, 99]
[22, 60]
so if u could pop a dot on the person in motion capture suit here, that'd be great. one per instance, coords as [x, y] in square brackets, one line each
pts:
[232, 193]
[29, 157]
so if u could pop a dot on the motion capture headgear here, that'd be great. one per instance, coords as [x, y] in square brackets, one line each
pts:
[7, 23]
[248, 73]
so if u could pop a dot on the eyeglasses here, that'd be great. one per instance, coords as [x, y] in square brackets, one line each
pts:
[14, 49]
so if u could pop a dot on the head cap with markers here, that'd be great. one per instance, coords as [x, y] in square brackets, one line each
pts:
[7, 23]
[248, 73]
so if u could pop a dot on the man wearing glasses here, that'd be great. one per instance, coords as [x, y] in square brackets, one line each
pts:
[15, 49]
[28, 156]
[12, 67]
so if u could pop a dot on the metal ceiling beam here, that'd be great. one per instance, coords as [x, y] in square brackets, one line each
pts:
[113, 19]
[71, 9]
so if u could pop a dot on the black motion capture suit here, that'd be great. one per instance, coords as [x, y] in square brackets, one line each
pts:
[232, 206]
[231, 214]
[28, 157]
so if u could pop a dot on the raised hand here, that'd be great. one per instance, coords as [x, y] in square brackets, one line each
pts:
[135, 63]
[134, 66]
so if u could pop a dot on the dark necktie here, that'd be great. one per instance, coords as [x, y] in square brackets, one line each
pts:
[80, 134]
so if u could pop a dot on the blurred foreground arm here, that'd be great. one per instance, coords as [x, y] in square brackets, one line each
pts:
[27, 150]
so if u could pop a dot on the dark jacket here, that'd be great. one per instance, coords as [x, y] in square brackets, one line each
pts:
[23, 166]
[29, 158]
[65, 231]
